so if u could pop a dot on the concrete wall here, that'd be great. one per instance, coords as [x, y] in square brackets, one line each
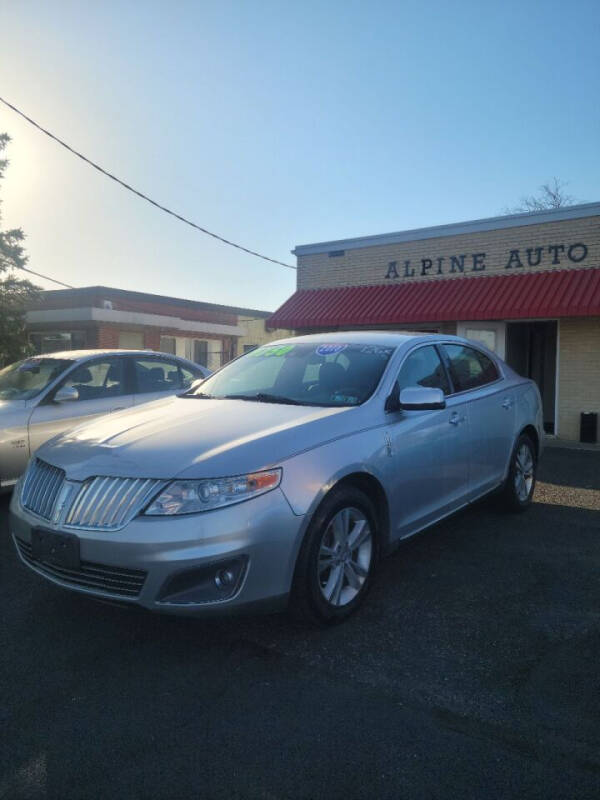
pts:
[578, 372]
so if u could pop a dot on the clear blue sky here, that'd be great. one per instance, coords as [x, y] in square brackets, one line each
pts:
[280, 123]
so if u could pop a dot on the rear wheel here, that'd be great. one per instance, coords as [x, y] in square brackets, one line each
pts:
[336, 562]
[520, 484]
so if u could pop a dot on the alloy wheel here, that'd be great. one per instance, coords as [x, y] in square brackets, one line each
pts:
[523, 472]
[345, 556]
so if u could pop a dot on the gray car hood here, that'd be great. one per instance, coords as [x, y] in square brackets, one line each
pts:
[194, 438]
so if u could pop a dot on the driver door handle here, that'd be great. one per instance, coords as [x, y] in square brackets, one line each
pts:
[456, 418]
[507, 403]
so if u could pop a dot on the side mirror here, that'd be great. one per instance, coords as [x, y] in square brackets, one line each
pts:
[66, 394]
[422, 398]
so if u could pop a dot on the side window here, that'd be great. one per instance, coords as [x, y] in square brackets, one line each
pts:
[156, 375]
[470, 368]
[423, 367]
[98, 379]
[188, 377]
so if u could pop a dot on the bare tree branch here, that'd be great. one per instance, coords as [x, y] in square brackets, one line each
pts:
[551, 195]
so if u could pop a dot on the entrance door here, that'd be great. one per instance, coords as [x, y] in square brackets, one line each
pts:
[531, 351]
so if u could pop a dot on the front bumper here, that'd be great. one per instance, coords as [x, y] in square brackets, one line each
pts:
[139, 563]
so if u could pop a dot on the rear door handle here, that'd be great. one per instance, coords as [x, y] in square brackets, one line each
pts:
[456, 419]
[507, 403]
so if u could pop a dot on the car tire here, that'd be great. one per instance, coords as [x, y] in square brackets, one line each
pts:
[337, 558]
[517, 493]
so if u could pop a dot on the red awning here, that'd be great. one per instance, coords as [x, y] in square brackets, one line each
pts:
[534, 295]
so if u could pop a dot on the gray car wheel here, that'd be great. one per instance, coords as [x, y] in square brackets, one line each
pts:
[336, 562]
[520, 484]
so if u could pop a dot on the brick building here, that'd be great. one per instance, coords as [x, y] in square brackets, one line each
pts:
[102, 317]
[526, 285]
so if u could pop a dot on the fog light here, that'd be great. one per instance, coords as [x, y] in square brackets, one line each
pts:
[224, 578]
[211, 583]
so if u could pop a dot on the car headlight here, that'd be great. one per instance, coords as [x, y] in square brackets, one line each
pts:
[190, 497]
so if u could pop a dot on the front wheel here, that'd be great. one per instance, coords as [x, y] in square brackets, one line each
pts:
[337, 558]
[520, 484]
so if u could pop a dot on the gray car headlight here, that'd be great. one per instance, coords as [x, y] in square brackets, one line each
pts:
[190, 497]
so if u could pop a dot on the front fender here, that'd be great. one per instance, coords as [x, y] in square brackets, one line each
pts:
[309, 476]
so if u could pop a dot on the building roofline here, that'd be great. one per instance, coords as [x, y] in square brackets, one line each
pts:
[454, 229]
[109, 292]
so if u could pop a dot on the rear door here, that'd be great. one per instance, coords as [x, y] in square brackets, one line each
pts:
[491, 409]
[103, 386]
[430, 467]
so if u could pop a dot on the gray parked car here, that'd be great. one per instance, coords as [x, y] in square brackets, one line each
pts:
[283, 478]
[48, 394]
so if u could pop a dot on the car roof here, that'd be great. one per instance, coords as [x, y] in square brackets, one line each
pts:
[78, 355]
[384, 338]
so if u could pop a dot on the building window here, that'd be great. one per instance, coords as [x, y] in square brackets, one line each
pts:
[55, 341]
[336, 253]
[486, 336]
[131, 340]
[201, 352]
[249, 347]
[168, 344]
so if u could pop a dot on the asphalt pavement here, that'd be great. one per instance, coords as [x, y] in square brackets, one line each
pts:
[471, 672]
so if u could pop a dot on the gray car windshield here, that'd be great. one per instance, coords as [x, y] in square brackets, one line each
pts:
[327, 374]
[27, 378]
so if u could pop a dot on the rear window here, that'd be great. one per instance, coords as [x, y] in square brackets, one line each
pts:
[470, 368]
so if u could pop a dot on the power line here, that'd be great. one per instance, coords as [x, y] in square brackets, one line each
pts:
[141, 194]
[39, 275]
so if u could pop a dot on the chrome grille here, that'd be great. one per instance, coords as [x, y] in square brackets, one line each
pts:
[99, 577]
[42, 484]
[109, 503]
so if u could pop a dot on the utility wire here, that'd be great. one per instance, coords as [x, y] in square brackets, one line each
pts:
[140, 194]
[39, 275]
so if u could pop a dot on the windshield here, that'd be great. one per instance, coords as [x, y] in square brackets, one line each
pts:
[304, 374]
[27, 378]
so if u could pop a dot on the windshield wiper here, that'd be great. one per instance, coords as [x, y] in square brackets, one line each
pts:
[264, 397]
[201, 395]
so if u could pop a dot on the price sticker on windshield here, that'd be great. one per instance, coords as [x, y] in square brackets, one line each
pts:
[276, 350]
[330, 349]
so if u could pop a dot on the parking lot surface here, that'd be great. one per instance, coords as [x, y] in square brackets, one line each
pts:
[471, 672]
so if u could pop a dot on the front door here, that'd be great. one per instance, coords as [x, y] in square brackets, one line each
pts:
[102, 387]
[429, 465]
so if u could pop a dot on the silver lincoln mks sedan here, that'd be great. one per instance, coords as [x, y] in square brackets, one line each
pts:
[283, 478]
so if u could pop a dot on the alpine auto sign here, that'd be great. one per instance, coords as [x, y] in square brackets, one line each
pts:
[553, 254]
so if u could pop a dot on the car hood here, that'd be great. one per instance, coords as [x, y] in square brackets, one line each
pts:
[194, 438]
